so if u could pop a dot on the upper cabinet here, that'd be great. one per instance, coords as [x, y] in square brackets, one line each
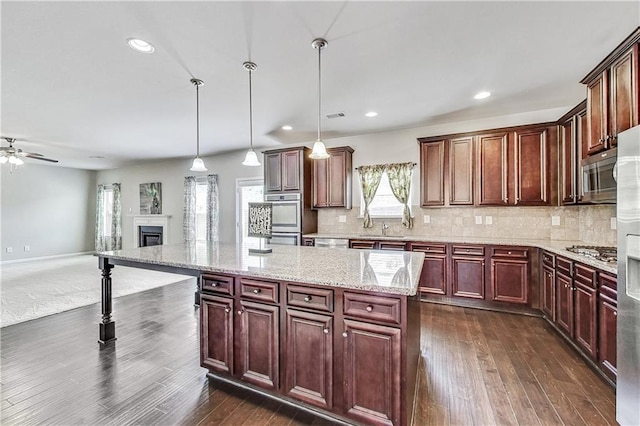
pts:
[612, 95]
[572, 132]
[332, 179]
[503, 167]
[284, 169]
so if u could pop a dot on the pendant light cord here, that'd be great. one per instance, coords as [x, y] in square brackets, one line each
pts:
[250, 113]
[319, 87]
[197, 120]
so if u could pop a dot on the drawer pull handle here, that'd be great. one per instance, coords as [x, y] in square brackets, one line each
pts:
[369, 308]
[307, 298]
[227, 309]
[325, 330]
[345, 334]
[256, 291]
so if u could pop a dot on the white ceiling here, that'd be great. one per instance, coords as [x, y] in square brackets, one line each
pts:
[73, 89]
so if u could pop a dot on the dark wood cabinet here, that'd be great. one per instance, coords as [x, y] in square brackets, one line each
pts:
[607, 324]
[309, 242]
[493, 169]
[216, 319]
[284, 169]
[510, 275]
[434, 275]
[309, 366]
[531, 159]
[549, 293]
[363, 244]
[432, 163]
[332, 179]
[584, 288]
[371, 370]
[461, 169]
[467, 271]
[564, 298]
[613, 93]
[572, 135]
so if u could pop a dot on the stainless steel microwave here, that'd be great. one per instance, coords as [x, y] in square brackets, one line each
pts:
[598, 177]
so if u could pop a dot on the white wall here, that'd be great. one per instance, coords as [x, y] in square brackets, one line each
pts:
[50, 209]
[171, 174]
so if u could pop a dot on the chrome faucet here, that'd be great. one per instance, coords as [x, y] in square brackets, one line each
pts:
[384, 229]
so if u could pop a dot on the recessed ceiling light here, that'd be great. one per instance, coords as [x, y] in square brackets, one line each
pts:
[371, 114]
[96, 157]
[140, 45]
[482, 95]
[287, 127]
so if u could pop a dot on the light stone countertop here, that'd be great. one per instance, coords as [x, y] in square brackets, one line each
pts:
[553, 246]
[368, 270]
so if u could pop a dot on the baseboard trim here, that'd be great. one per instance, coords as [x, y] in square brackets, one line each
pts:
[55, 256]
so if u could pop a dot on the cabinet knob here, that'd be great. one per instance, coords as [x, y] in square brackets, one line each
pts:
[428, 249]
[240, 312]
[604, 154]
[256, 291]
[509, 252]
[227, 309]
[468, 250]
[615, 313]
[345, 334]
[369, 308]
[307, 298]
[325, 330]
[215, 284]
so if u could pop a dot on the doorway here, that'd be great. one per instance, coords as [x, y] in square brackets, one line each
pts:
[249, 190]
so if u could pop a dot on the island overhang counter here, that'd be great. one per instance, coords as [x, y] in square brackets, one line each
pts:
[335, 331]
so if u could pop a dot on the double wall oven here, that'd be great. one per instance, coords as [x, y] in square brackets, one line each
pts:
[286, 222]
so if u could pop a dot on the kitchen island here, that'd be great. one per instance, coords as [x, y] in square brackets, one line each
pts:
[335, 331]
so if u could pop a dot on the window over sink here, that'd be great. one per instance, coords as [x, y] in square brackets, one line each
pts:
[384, 204]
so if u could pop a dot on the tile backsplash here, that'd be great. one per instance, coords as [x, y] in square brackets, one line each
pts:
[589, 224]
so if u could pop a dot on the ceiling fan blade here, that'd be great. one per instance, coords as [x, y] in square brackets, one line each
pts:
[38, 157]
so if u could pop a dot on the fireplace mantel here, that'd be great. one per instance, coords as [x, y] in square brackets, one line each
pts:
[150, 220]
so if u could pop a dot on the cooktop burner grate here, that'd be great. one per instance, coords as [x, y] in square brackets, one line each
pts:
[602, 253]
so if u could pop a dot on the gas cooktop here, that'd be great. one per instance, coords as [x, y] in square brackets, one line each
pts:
[604, 254]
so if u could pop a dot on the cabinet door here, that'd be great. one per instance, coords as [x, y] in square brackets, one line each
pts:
[597, 111]
[321, 183]
[492, 166]
[337, 179]
[510, 280]
[272, 171]
[432, 155]
[291, 170]
[467, 278]
[564, 303]
[309, 365]
[258, 353]
[216, 322]
[624, 94]
[531, 167]
[371, 372]
[433, 278]
[607, 349]
[585, 318]
[549, 293]
[461, 171]
[568, 162]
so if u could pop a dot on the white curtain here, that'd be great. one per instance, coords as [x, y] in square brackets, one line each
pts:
[114, 240]
[212, 207]
[189, 212]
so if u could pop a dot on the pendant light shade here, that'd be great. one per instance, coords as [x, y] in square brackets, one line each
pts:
[251, 159]
[198, 164]
[319, 151]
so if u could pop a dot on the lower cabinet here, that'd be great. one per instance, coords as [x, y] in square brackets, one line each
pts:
[564, 303]
[434, 276]
[467, 271]
[585, 318]
[371, 370]
[216, 333]
[549, 292]
[607, 324]
[510, 275]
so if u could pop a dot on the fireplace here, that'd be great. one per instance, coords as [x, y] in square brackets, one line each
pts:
[150, 235]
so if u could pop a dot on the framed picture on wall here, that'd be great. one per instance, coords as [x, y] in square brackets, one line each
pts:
[151, 198]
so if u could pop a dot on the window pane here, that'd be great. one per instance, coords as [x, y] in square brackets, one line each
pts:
[249, 194]
[201, 210]
[108, 211]
[384, 203]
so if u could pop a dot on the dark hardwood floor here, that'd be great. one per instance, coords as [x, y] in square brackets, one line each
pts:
[478, 367]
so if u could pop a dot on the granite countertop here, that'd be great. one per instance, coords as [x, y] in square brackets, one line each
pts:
[553, 246]
[368, 270]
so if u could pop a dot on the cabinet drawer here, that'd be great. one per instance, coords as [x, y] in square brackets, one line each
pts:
[608, 281]
[549, 259]
[467, 250]
[510, 252]
[218, 284]
[318, 299]
[392, 245]
[564, 265]
[384, 309]
[429, 248]
[266, 291]
[584, 275]
[362, 244]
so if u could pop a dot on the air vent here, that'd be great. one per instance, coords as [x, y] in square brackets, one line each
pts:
[336, 115]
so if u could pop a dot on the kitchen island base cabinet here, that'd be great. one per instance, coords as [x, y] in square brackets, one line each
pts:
[216, 322]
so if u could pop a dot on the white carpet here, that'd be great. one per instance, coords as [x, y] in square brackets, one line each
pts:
[36, 289]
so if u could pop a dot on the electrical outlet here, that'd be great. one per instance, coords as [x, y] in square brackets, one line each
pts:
[9, 249]
[27, 248]
[488, 220]
[478, 220]
[555, 220]
[342, 218]
[614, 223]
[426, 219]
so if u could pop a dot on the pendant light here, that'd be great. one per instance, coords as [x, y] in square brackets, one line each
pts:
[319, 151]
[251, 159]
[198, 164]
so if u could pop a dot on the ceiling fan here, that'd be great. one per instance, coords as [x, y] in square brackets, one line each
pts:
[13, 156]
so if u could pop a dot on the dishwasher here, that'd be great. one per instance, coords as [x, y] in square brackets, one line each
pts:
[332, 242]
